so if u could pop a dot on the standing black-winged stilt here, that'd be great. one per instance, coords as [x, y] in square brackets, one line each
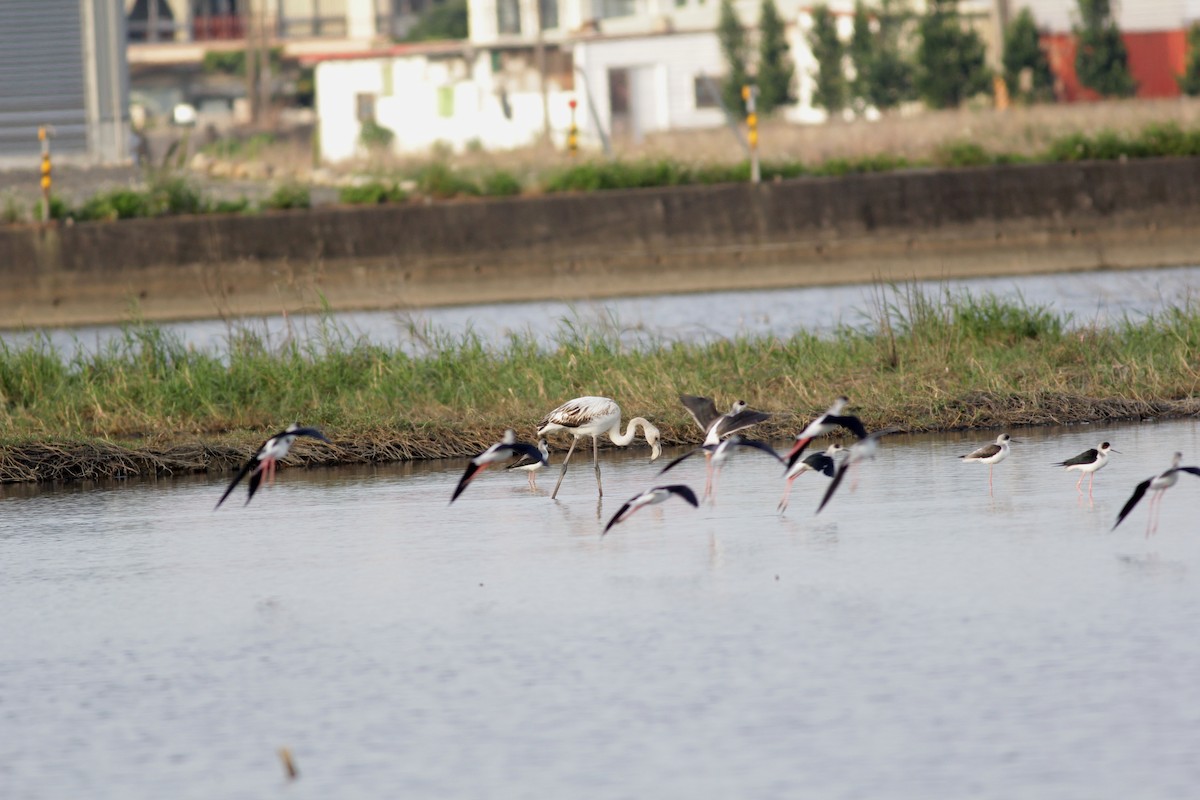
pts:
[991, 454]
[1158, 484]
[814, 462]
[262, 464]
[1089, 462]
[863, 449]
[530, 466]
[594, 416]
[503, 450]
[830, 421]
[716, 455]
[717, 426]
[651, 497]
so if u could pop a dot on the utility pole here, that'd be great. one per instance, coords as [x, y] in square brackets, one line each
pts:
[250, 30]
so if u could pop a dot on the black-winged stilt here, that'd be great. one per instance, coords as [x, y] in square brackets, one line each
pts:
[503, 450]
[594, 416]
[1089, 462]
[263, 463]
[651, 497]
[716, 454]
[863, 449]
[717, 426]
[1158, 484]
[813, 462]
[830, 421]
[530, 465]
[991, 454]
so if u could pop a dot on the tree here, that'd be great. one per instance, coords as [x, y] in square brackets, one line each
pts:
[1023, 55]
[1189, 81]
[1101, 60]
[775, 70]
[951, 61]
[732, 38]
[883, 76]
[446, 20]
[829, 52]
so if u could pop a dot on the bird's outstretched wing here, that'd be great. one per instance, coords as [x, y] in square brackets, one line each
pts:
[683, 457]
[649, 497]
[757, 445]
[738, 422]
[847, 421]
[256, 476]
[1191, 470]
[249, 465]
[702, 409]
[1137, 495]
[473, 469]
[837, 480]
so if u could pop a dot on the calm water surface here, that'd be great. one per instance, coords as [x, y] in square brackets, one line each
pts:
[1089, 297]
[919, 639]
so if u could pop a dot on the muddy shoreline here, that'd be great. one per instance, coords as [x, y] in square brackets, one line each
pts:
[99, 459]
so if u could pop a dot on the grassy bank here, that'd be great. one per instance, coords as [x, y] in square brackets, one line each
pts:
[149, 404]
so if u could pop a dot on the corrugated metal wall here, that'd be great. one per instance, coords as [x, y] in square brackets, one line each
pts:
[45, 79]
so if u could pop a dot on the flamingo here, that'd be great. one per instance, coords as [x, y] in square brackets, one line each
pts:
[991, 454]
[530, 466]
[716, 454]
[831, 420]
[506, 448]
[1159, 485]
[1089, 462]
[595, 416]
[816, 462]
[864, 448]
[651, 497]
[263, 462]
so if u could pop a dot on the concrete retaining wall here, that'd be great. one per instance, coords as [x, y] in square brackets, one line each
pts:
[895, 226]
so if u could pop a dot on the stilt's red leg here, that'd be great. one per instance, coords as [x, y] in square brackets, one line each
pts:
[787, 489]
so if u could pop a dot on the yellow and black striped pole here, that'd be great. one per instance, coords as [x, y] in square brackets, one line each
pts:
[750, 95]
[573, 134]
[44, 137]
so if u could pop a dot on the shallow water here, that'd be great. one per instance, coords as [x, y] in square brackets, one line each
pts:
[1088, 297]
[920, 638]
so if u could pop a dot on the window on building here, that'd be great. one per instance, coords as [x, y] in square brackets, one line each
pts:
[706, 90]
[365, 106]
[508, 16]
[548, 9]
[616, 8]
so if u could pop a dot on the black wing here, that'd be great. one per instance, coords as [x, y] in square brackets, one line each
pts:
[249, 465]
[739, 421]
[1191, 470]
[527, 452]
[757, 445]
[820, 462]
[617, 516]
[1086, 457]
[686, 455]
[1133, 501]
[683, 493]
[702, 409]
[256, 476]
[472, 470]
[850, 423]
[837, 480]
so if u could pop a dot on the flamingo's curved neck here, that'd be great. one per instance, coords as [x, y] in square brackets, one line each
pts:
[622, 439]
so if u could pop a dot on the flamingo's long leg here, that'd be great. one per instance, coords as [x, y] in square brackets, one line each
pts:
[564, 469]
[596, 463]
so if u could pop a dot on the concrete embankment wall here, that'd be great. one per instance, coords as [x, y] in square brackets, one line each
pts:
[895, 226]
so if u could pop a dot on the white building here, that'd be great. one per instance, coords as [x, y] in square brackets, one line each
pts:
[633, 66]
